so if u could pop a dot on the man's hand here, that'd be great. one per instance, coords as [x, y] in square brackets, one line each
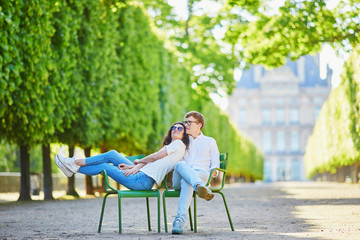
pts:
[133, 171]
[124, 166]
[137, 161]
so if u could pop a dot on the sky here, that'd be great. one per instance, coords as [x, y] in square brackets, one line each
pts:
[327, 55]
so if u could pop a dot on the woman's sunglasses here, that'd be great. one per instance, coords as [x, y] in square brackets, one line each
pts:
[179, 128]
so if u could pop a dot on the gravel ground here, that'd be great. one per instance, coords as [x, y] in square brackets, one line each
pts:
[288, 210]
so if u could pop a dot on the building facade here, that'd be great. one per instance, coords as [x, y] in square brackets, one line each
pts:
[277, 109]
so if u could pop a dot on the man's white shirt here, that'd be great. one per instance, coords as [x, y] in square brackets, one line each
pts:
[202, 153]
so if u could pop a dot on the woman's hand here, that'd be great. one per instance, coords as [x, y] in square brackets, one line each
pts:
[137, 161]
[124, 166]
[133, 170]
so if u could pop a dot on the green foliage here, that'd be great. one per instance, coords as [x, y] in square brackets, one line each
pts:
[333, 143]
[209, 60]
[9, 158]
[26, 99]
[300, 28]
[352, 75]
[97, 73]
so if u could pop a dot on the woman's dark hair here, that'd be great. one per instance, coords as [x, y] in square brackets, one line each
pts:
[168, 139]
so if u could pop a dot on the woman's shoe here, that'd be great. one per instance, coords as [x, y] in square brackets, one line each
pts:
[63, 168]
[69, 163]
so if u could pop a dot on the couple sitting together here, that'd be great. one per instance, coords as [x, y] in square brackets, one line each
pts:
[185, 149]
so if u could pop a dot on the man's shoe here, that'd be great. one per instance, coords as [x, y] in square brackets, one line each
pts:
[69, 163]
[204, 192]
[63, 168]
[177, 227]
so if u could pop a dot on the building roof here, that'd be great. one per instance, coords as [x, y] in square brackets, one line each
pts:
[312, 75]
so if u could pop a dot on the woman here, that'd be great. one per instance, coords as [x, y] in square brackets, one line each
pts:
[140, 175]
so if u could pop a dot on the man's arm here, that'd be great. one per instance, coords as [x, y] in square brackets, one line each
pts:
[214, 157]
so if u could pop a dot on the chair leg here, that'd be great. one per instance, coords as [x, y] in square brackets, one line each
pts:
[190, 219]
[164, 210]
[148, 213]
[195, 216]
[102, 212]
[119, 203]
[227, 211]
[158, 208]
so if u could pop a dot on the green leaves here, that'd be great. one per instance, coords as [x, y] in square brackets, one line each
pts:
[300, 28]
[96, 73]
[334, 142]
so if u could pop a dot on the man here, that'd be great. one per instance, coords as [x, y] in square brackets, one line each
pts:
[191, 173]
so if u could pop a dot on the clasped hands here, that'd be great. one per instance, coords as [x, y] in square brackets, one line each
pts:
[130, 169]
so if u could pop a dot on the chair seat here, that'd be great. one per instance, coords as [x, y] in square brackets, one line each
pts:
[132, 194]
[171, 193]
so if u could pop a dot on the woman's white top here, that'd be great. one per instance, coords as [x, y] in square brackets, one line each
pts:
[159, 168]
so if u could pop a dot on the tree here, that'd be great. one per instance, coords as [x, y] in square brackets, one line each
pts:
[300, 28]
[27, 100]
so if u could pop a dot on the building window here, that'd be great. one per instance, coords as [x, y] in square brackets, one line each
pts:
[294, 142]
[317, 100]
[295, 169]
[280, 116]
[316, 112]
[280, 100]
[294, 115]
[280, 142]
[267, 171]
[266, 116]
[242, 116]
[265, 100]
[267, 146]
[281, 170]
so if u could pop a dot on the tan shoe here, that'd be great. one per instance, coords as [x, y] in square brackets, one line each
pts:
[204, 192]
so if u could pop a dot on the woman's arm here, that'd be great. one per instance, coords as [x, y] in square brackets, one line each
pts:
[134, 170]
[152, 157]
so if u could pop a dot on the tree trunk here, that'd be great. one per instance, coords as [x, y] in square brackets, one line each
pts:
[356, 172]
[71, 180]
[88, 179]
[341, 177]
[25, 174]
[48, 184]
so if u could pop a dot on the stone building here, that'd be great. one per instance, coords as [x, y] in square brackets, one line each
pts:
[277, 109]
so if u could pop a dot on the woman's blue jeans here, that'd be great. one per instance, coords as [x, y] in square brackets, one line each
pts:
[109, 161]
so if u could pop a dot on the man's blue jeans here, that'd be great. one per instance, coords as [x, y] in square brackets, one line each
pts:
[185, 178]
[109, 161]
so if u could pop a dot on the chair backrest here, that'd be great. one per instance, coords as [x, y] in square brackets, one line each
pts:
[223, 164]
[133, 158]
[223, 160]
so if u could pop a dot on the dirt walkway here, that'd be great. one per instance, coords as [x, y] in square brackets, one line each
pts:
[259, 211]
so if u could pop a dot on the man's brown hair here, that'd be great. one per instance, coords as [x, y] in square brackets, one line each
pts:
[198, 116]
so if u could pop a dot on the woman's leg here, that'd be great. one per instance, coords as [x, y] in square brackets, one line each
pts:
[109, 157]
[138, 181]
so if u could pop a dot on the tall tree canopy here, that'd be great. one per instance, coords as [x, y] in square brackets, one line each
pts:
[299, 28]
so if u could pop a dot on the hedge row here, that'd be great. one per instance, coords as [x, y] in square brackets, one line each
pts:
[95, 74]
[335, 140]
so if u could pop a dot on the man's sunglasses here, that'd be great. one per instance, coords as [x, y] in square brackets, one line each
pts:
[179, 128]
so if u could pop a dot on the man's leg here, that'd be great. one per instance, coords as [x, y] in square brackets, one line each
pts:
[188, 179]
[190, 175]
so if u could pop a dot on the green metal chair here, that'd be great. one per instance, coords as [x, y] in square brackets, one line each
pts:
[130, 194]
[176, 193]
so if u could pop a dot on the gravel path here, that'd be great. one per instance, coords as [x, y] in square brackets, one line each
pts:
[259, 211]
